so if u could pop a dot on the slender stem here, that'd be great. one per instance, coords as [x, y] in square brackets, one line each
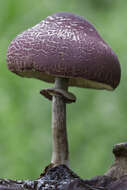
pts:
[59, 133]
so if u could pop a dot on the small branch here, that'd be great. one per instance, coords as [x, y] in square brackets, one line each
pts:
[119, 168]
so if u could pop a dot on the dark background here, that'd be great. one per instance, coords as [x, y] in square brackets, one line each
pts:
[96, 121]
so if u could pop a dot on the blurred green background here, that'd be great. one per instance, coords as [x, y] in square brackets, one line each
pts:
[95, 122]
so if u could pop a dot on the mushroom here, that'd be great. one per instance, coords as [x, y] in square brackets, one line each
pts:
[64, 49]
[119, 168]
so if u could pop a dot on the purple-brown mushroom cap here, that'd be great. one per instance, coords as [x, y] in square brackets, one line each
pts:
[65, 45]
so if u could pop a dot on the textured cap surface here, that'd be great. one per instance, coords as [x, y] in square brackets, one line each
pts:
[65, 45]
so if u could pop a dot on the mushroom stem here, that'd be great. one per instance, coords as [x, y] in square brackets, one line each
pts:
[59, 132]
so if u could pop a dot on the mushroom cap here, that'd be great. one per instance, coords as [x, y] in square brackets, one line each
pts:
[65, 45]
